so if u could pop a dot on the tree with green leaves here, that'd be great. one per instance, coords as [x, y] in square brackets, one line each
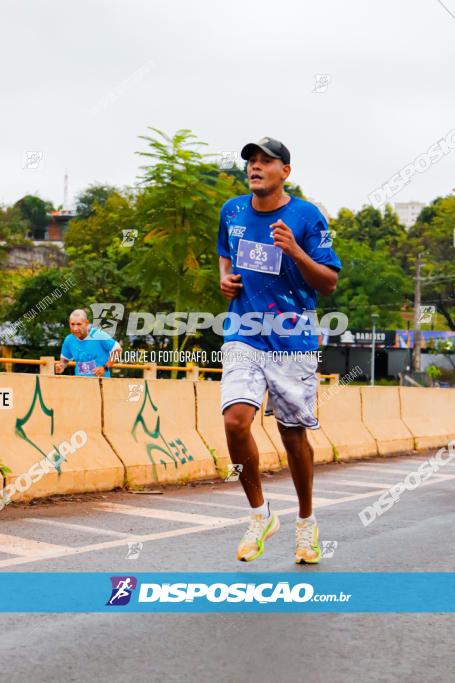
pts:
[177, 215]
[372, 279]
[370, 282]
[102, 229]
[98, 259]
[433, 237]
[13, 226]
[370, 226]
[34, 211]
[95, 195]
[44, 321]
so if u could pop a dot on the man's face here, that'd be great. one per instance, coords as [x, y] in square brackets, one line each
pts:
[79, 326]
[265, 174]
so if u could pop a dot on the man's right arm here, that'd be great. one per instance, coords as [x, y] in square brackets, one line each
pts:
[65, 357]
[61, 365]
[230, 284]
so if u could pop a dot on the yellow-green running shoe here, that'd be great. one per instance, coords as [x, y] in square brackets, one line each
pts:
[307, 550]
[259, 529]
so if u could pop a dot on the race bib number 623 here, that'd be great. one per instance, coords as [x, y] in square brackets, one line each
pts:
[265, 258]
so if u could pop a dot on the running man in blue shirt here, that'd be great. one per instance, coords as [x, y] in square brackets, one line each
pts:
[275, 255]
[93, 349]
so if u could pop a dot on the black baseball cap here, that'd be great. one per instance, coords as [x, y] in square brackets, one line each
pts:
[274, 148]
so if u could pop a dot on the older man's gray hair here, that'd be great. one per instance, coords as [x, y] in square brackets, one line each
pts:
[79, 313]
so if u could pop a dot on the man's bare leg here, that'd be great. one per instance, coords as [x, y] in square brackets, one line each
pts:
[243, 449]
[300, 458]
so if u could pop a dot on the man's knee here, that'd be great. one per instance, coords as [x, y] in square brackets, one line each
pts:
[295, 439]
[238, 419]
[291, 432]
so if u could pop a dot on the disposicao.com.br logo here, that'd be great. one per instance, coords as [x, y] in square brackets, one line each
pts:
[229, 592]
[122, 587]
[219, 592]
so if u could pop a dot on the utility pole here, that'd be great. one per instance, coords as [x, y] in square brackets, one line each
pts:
[416, 366]
[374, 317]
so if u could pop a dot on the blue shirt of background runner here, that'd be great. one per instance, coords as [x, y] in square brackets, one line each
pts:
[89, 353]
[265, 292]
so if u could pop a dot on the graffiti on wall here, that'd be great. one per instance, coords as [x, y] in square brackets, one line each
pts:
[169, 452]
[36, 404]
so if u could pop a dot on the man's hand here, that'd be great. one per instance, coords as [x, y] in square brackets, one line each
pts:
[317, 275]
[60, 366]
[283, 237]
[230, 286]
[99, 371]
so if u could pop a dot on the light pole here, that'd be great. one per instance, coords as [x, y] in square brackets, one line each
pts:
[374, 317]
[416, 352]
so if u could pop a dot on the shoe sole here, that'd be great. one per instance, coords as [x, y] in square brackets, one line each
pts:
[300, 560]
[273, 529]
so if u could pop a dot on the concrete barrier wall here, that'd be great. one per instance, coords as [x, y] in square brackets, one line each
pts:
[447, 409]
[210, 426]
[340, 416]
[428, 416]
[381, 415]
[46, 413]
[151, 425]
[17, 453]
[168, 431]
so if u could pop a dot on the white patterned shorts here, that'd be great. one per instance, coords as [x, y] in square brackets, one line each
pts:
[291, 383]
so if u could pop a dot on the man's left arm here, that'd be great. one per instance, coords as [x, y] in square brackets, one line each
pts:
[319, 276]
[114, 357]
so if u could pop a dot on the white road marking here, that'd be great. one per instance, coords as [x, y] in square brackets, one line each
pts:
[79, 527]
[339, 491]
[441, 477]
[244, 508]
[318, 490]
[277, 496]
[436, 478]
[366, 475]
[157, 513]
[364, 484]
[106, 545]
[392, 470]
[402, 473]
[315, 488]
[25, 547]
[193, 501]
[419, 461]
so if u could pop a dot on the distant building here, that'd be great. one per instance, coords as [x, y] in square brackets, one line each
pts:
[408, 212]
[58, 222]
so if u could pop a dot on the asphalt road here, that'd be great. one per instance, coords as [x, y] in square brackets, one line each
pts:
[197, 529]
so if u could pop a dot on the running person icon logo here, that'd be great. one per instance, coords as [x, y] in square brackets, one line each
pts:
[122, 587]
[326, 240]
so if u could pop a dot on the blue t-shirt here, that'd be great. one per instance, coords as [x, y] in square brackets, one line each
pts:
[89, 353]
[271, 281]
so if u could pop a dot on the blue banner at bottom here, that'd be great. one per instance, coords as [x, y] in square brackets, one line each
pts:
[227, 592]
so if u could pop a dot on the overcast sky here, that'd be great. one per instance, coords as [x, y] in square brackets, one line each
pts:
[82, 80]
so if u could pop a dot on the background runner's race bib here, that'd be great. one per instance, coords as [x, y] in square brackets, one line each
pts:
[86, 367]
[257, 256]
